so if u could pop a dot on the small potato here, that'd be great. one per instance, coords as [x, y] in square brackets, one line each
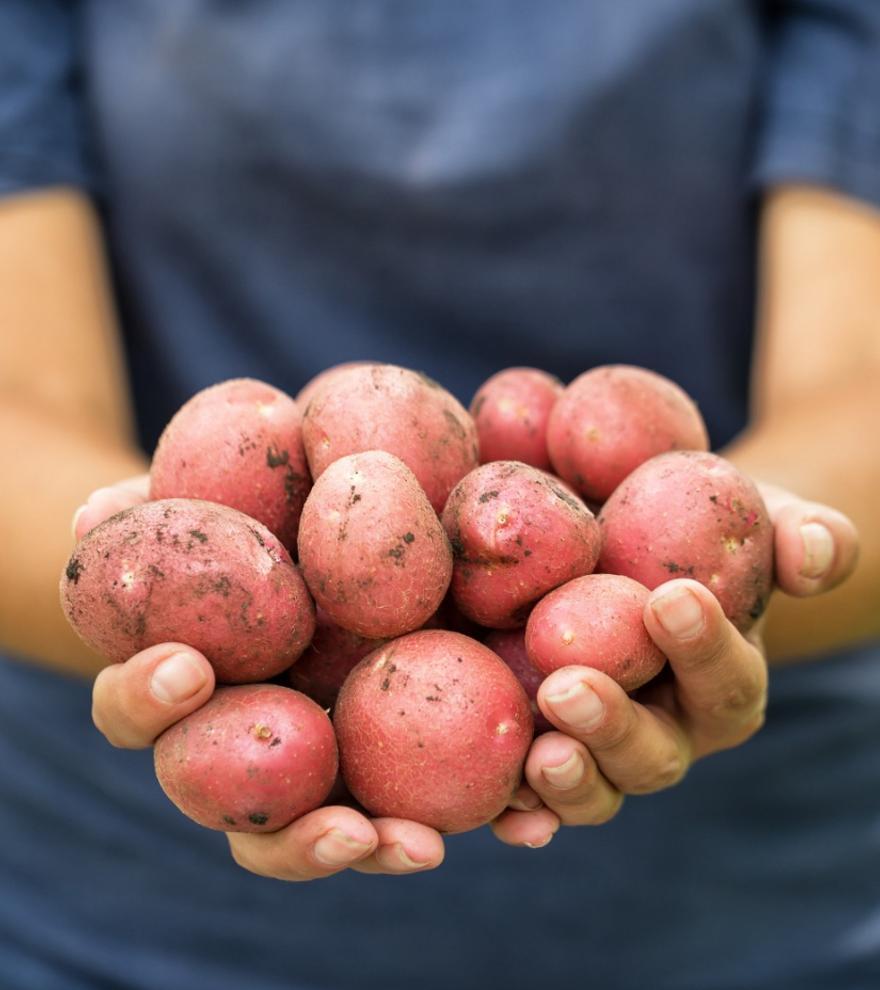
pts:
[383, 407]
[433, 727]
[314, 385]
[238, 443]
[371, 548]
[252, 759]
[516, 534]
[510, 645]
[614, 418]
[186, 571]
[595, 621]
[692, 514]
[511, 411]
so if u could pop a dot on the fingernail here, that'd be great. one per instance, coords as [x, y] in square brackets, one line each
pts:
[540, 843]
[680, 613]
[818, 549]
[76, 517]
[395, 856]
[526, 802]
[579, 706]
[335, 848]
[567, 775]
[177, 679]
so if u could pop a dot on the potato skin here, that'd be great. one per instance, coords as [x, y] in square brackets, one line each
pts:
[187, 571]
[692, 514]
[510, 645]
[595, 621]
[383, 407]
[371, 548]
[516, 534]
[238, 443]
[612, 419]
[252, 759]
[433, 727]
[314, 385]
[511, 411]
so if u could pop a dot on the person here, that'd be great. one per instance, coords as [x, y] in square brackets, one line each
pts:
[279, 187]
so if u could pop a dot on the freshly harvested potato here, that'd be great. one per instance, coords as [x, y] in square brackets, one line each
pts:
[510, 645]
[238, 443]
[433, 727]
[314, 385]
[516, 534]
[612, 419]
[595, 621]
[692, 514]
[371, 548]
[252, 759]
[186, 571]
[511, 411]
[383, 407]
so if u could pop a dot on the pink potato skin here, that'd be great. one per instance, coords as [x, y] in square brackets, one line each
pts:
[328, 660]
[595, 621]
[511, 411]
[383, 407]
[692, 514]
[516, 534]
[510, 645]
[252, 759]
[612, 419]
[238, 443]
[433, 727]
[314, 385]
[371, 548]
[186, 571]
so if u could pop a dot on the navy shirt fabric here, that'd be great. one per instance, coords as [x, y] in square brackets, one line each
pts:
[454, 187]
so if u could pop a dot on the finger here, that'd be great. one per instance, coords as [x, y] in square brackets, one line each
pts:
[720, 677]
[815, 548]
[532, 829]
[135, 702]
[565, 776]
[404, 847]
[106, 502]
[637, 749]
[319, 844]
[525, 799]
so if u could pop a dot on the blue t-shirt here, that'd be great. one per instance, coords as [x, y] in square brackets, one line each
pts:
[455, 187]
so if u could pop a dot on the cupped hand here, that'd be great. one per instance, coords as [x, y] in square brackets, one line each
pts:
[711, 697]
[134, 702]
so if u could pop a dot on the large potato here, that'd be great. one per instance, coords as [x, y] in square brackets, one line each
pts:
[252, 759]
[433, 727]
[510, 645]
[516, 534]
[612, 419]
[383, 407]
[311, 388]
[187, 571]
[238, 443]
[371, 548]
[692, 514]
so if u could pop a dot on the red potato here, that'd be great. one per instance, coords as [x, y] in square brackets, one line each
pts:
[314, 385]
[371, 548]
[595, 621]
[510, 645]
[511, 411]
[692, 514]
[612, 419]
[433, 727]
[516, 534]
[238, 443]
[187, 571]
[383, 407]
[252, 759]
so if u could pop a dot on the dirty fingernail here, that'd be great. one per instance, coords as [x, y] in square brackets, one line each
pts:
[680, 613]
[567, 775]
[818, 549]
[335, 848]
[579, 706]
[177, 679]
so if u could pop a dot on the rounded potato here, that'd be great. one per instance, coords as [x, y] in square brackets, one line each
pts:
[692, 514]
[612, 419]
[186, 571]
[311, 388]
[252, 759]
[516, 534]
[383, 407]
[371, 548]
[510, 645]
[595, 621]
[238, 443]
[433, 727]
[511, 411]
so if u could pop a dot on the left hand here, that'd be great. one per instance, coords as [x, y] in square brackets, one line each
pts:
[610, 744]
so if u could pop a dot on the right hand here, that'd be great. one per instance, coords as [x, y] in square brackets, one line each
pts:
[134, 702]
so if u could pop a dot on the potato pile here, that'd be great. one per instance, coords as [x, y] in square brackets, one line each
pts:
[352, 551]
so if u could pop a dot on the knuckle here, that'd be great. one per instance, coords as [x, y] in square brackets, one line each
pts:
[666, 772]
